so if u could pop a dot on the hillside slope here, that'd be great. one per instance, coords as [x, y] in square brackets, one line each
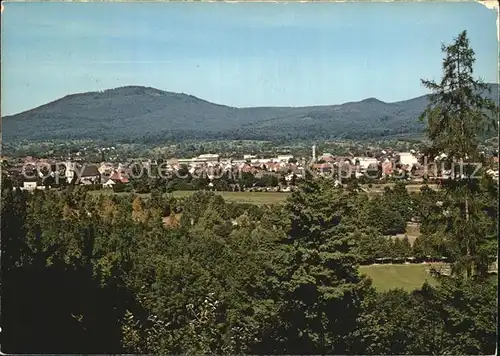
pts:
[142, 113]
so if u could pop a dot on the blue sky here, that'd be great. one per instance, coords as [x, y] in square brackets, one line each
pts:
[239, 54]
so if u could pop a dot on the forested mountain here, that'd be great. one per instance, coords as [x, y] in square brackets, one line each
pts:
[141, 113]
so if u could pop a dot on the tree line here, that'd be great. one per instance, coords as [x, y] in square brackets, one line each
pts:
[219, 277]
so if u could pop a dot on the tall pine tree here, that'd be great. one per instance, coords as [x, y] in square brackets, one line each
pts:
[458, 117]
[319, 285]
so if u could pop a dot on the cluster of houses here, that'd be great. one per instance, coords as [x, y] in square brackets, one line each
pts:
[31, 172]
[383, 164]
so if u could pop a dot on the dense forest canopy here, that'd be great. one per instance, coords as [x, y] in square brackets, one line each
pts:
[223, 277]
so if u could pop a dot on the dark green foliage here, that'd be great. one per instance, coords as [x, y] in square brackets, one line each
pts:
[371, 245]
[120, 187]
[267, 180]
[401, 248]
[48, 285]
[383, 327]
[399, 200]
[383, 214]
[318, 283]
[454, 318]
[232, 279]
[446, 231]
[457, 117]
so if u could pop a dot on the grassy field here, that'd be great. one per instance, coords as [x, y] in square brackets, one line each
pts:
[379, 188]
[408, 277]
[259, 198]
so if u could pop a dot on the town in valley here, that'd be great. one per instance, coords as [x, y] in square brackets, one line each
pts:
[280, 172]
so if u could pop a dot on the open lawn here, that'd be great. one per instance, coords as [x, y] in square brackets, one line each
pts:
[406, 276]
[259, 198]
[379, 188]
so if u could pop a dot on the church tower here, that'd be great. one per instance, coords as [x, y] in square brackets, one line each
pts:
[70, 171]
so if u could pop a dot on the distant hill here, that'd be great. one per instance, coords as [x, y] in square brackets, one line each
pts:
[136, 113]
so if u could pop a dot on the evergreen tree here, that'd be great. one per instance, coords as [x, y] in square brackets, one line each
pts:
[320, 288]
[458, 117]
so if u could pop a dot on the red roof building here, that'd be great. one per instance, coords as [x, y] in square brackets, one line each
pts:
[118, 177]
[387, 168]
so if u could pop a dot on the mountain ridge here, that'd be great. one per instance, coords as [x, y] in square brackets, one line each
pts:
[139, 112]
[127, 87]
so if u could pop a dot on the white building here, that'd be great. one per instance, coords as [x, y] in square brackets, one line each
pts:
[441, 156]
[186, 160]
[209, 157]
[70, 171]
[284, 158]
[261, 161]
[109, 183]
[326, 156]
[407, 158]
[29, 186]
[365, 162]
